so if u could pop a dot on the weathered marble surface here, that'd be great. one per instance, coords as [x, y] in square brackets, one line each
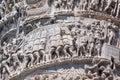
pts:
[36, 34]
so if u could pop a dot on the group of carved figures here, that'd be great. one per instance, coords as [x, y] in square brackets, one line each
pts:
[94, 72]
[101, 72]
[111, 7]
[65, 41]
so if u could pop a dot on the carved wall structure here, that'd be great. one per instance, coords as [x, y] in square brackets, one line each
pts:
[60, 40]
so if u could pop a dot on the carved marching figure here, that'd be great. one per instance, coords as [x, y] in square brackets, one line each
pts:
[68, 41]
[82, 4]
[91, 44]
[70, 4]
[36, 56]
[52, 54]
[36, 44]
[42, 47]
[81, 43]
[85, 4]
[59, 42]
[52, 45]
[98, 43]
[108, 8]
[64, 4]
[102, 6]
[30, 59]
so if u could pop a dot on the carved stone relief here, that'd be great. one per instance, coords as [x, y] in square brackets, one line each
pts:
[40, 34]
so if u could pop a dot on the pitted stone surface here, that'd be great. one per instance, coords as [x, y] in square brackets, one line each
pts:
[59, 39]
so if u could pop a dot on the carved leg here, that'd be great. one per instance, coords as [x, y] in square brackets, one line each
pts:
[106, 8]
[58, 51]
[82, 51]
[37, 57]
[78, 50]
[110, 40]
[7, 69]
[66, 51]
[31, 60]
[71, 50]
[90, 51]
[118, 11]
[42, 56]
[52, 50]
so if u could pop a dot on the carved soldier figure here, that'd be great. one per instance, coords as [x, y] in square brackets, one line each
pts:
[30, 59]
[42, 47]
[98, 43]
[109, 2]
[59, 43]
[67, 40]
[36, 56]
[85, 3]
[70, 4]
[81, 43]
[111, 36]
[91, 44]
[36, 49]
[102, 6]
[82, 4]
[64, 4]
[52, 44]
[29, 47]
